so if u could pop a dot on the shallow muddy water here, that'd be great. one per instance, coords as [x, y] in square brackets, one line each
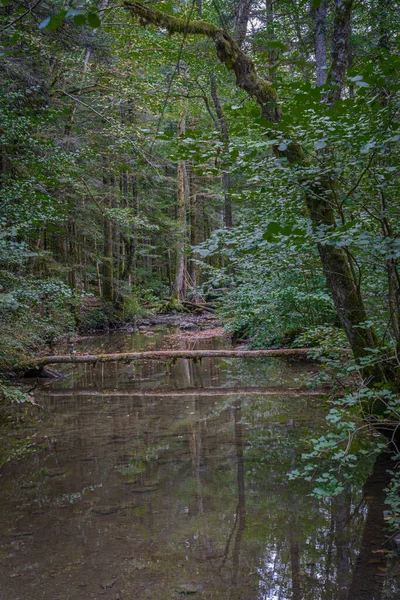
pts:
[157, 481]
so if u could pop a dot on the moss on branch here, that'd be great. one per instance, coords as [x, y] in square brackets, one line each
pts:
[148, 16]
[228, 52]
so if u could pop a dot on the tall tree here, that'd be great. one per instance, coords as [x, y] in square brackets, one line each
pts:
[319, 15]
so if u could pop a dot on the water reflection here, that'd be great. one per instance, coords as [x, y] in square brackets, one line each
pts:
[140, 493]
[371, 565]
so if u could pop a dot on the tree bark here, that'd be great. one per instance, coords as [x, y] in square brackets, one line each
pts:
[194, 237]
[108, 255]
[169, 355]
[181, 209]
[226, 176]
[269, 21]
[319, 16]
[340, 48]
[241, 21]
[200, 392]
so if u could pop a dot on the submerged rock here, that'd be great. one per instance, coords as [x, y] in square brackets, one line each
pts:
[187, 589]
[144, 489]
[108, 585]
[104, 510]
[187, 326]
[56, 472]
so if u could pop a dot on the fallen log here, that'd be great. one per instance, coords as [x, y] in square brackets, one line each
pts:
[168, 355]
[198, 307]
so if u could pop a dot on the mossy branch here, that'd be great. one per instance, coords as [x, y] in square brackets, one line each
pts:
[227, 49]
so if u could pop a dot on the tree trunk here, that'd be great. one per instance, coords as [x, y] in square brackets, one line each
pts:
[108, 257]
[241, 21]
[169, 355]
[272, 55]
[340, 48]
[319, 15]
[384, 23]
[181, 206]
[223, 128]
[194, 229]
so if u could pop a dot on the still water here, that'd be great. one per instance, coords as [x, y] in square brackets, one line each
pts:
[158, 481]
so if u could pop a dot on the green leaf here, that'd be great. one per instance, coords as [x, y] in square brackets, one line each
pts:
[80, 20]
[94, 20]
[54, 21]
[273, 228]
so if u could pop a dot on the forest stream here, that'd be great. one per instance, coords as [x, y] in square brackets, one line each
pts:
[166, 480]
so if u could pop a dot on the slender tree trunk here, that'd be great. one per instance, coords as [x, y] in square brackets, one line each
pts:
[241, 20]
[129, 199]
[269, 18]
[383, 24]
[319, 15]
[181, 206]
[223, 128]
[194, 227]
[88, 51]
[340, 48]
[72, 250]
[108, 255]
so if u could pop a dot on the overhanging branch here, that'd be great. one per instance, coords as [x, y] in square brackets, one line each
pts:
[227, 49]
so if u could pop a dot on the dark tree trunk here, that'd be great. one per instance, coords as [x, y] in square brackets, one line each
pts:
[223, 128]
[340, 48]
[367, 581]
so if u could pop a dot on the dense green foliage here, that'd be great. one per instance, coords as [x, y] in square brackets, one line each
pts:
[90, 150]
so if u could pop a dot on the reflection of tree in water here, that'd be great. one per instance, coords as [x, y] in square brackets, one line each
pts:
[255, 371]
[319, 557]
[370, 568]
[227, 565]
[241, 507]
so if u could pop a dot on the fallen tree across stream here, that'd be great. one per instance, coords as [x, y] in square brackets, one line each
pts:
[168, 355]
